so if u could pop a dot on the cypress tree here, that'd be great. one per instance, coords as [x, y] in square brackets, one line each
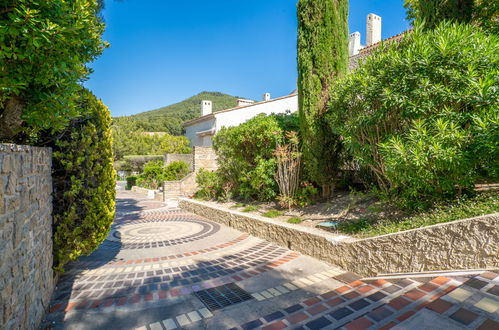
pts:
[322, 58]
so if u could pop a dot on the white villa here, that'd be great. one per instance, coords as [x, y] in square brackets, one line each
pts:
[201, 130]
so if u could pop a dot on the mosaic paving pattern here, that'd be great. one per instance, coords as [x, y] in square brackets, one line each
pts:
[164, 268]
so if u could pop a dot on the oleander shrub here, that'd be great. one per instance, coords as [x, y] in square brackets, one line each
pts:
[447, 75]
[83, 180]
[246, 155]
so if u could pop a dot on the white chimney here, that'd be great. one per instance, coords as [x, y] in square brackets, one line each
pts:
[244, 102]
[373, 29]
[206, 107]
[354, 43]
[266, 97]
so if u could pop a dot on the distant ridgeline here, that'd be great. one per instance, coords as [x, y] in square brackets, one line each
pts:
[170, 118]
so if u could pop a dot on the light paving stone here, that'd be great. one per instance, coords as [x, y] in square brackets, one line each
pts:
[282, 289]
[290, 286]
[141, 328]
[258, 296]
[274, 292]
[460, 294]
[314, 279]
[183, 320]
[205, 312]
[306, 281]
[266, 294]
[194, 316]
[169, 324]
[488, 305]
[155, 326]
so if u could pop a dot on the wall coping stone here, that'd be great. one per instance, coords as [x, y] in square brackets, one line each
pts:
[333, 238]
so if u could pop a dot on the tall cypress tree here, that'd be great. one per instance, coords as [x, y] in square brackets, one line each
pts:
[432, 12]
[322, 58]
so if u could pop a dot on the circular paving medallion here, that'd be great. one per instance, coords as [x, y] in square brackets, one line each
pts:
[151, 234]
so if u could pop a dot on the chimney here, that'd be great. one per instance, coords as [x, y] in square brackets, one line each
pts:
[266, 97]
[354, 43]
[206, 107]
[373, 29]
[244, 102]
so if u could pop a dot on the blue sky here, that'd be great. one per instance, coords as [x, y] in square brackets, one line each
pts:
[164, 51]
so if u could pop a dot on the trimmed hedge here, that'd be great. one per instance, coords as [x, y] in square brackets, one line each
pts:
[83, 179]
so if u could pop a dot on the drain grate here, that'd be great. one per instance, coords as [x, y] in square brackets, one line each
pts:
[222, 296]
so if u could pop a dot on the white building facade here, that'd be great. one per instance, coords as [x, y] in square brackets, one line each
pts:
[201, 130]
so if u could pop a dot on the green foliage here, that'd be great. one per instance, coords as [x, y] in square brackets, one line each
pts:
[461, 208]
[250, 208]
[130, 182]
[83, 179]
[171, 118]
[429, 162]
[322, 58]
[295, 220]
[135, 163]
[484, 13]
[129, 139]
[155, 173]
[306, 194]
[448, 73]
[246, 155]
[209, 184]
[272, 214]
[44, 46]
[433, 12]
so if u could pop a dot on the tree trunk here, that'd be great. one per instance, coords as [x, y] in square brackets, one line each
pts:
[10, 118]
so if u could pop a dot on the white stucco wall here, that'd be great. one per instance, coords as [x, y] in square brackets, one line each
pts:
[195, 140]
[237, 117]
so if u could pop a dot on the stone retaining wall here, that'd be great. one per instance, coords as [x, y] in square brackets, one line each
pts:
[464, 244]
[26, 276]
[186, 158]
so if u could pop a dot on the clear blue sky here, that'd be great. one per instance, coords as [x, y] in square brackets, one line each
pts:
[163, 51]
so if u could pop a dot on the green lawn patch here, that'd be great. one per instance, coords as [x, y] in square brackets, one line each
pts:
[272, 214]
[295, 220]
[484, 203]
[250, 208]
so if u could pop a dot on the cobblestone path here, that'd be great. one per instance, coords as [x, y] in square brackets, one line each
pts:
[163, 268]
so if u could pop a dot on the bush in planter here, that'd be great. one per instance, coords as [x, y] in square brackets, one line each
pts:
[155, 173]
[84, 181]
[448, 73]
[130, 182]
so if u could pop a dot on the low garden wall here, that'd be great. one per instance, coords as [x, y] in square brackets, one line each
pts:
[464, 244]
[154, 194]
[26, 276]
[186, 158]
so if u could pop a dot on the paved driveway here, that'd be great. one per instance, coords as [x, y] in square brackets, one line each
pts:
[163, 268]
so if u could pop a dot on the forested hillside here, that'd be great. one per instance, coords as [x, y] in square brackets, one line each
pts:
[170, 118]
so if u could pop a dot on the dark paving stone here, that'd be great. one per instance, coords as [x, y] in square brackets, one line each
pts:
[489, 325]
[318, 324]
[273, 316]
[294, 308]
[494, 290]
[359, 304]
[392, 289]
[464, 316]
[252, 325]
[476, 283]
[341, 313]
[347, 277]
[376, 296]
[380, 313]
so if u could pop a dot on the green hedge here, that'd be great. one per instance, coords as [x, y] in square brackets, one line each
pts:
[83, 179]
[155, 173]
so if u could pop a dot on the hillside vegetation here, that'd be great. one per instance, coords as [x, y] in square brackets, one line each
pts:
[170, 118]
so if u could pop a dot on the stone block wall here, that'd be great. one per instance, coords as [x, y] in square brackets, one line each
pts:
[186, 158]
[459, 245]
[26, 276]
[205, 157]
